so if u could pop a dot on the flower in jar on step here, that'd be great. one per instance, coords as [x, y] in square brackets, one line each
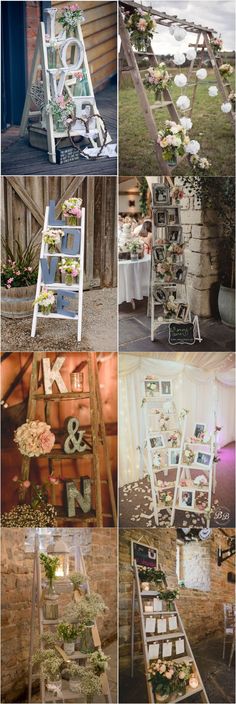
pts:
[72, 206]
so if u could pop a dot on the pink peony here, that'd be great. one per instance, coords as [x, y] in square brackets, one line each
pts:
[26, 484]
[47, 440]
[75, 211]
[142, 24]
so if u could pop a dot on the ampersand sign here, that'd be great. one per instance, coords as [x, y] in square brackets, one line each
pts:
[74, 442]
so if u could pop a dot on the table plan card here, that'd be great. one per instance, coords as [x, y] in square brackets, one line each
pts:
[150, 625]
[172, 622]
[157, 604]
[153, 650]
[167, 650]
[179, 646]
[161, 625]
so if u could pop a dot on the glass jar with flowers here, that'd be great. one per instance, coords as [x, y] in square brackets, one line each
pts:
[70, 17]
[71, 210]
[68, 632]
[70, 269]
[52, 47]
[50, 603]
[99, 661]
[52, 238]
[81, 87]
[51, 666]
[45, 301]
[169, 595]
[62, 111]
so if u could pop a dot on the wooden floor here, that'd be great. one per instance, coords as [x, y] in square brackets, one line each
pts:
[19, 158]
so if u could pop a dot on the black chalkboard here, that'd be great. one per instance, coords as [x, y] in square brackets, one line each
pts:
[144, 555]
[181, 334]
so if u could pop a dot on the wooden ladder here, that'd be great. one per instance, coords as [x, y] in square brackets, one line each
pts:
[171, 635]
[37, 615]
[98, 439]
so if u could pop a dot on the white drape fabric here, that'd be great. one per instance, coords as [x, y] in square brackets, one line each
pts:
[208, 395]
[134, 277]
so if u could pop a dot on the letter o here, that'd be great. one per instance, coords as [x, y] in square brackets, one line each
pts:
[72, 41]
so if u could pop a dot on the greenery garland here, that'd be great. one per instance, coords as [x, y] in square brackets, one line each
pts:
[143, 189]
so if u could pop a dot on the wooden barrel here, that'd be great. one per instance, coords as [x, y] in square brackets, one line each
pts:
[18, 302]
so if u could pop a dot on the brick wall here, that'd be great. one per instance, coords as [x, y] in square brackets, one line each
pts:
[17, 572]
[201, 611]
[32, 22]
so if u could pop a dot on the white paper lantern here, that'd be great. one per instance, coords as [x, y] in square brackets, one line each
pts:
[192, 147]
[213, 91]
[180, 80]
[183, 102]
[201, 74]
[191, 54]
[172, 28]
[226, 107]
[179, 34]
[186, 122]
[179, 59]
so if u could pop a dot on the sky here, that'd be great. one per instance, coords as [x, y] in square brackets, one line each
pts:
[216, 14]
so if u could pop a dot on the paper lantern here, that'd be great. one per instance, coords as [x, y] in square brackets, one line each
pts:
[179, 34]
[183, 102]
[213, 91]
[180, 80]
[179, 59]
[172, 28]
[226, 107]
[193, 681]
[186, 122]
[201, 74]
[192, 147]
[191, 54]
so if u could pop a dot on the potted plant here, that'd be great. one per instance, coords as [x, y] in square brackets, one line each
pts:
[52, 238]
[79, 582]
[50, 603]
[161, 675]
[169, 595]
[51, 664]
[68, 632]
[18, 281]
[71, 209]
[85, 682]
[70, 269]
[45, 301]
[98, 661]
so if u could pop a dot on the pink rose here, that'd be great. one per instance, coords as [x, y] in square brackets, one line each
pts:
[75, 211]
[168, 675]
[9, 281]
[47, 440]
[53, 480]
[15, 478]
[26, 484]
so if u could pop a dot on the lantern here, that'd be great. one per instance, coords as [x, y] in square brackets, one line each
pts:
[193, 681]
[58, 548]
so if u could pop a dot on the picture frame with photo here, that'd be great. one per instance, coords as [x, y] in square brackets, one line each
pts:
[186, 498]
[159, 295]
[172, 216]
[158, 254]
[166, 387]
[173, 456]
[179, 273]
[199, 430]
[160, 194]
[174, 234]
[182, 312]
[203, 459]
[152, 387]
[157, 441]
[145, 555]
[159, 217]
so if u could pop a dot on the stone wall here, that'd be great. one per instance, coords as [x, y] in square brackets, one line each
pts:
[201, 611]
[17, 573]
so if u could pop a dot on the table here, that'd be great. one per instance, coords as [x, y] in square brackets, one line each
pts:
[134, 279]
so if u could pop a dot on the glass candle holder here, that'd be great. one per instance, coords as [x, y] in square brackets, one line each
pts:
[77, 381]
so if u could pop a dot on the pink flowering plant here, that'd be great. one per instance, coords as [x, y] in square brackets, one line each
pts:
[157, 78]
[141, 26]
[19, 270]
[216, 44]
[34, 438]
[70, 16]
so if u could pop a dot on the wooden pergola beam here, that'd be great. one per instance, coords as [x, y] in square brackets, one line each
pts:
[162, 16]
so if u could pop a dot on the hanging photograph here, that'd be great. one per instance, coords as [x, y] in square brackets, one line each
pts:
[203, 459]
[199, 430]
[166, 388]
[186, 498]
[160, 194]
[173, 457]
[157, 441]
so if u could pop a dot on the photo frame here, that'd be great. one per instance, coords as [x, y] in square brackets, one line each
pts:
[158, 254]
[182, 312]
[173, 456]
[166, 387]
[157, 441]
[159, 295]
[172, 216]
[186, 498]
[200, 428]
[174, 234]
[159, 217]
[144, 555]
[203, 459]
[152, 387]
[160, 194]
[179, 273]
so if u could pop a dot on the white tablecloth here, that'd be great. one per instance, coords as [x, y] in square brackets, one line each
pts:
[134, 279]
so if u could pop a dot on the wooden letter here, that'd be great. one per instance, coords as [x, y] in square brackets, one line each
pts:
[48, 270]
[74, 247]
[62, 303]
[50, 16]
[72, 41]
[51, 375]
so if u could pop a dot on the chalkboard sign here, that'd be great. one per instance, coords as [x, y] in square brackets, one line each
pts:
[144, 555]
[66, 154]
[181, 334]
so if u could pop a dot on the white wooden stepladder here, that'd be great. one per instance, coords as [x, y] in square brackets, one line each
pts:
[37, 607]
[77, 288]
[185, 482]
[152, 407]
[173, 634]
[56, 82]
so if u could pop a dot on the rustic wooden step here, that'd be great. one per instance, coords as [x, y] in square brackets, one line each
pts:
[161, 104]
[66, 396]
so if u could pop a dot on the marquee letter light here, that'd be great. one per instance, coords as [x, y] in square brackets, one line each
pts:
[53, 374]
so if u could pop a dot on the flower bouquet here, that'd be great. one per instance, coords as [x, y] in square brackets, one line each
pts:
[52, 48]
[164, 271]
[188, 456]
[216, 44]
[71, 268]
[62, 111]
[226, 70]
[166, 498]
[157, 78]
[177, 194]
[34, 438]
[200, 164]
[161, 675]
[99, 661]
[173, 440]
[52, 238]
[170, 307]
[141, 26]
[45, 301]
[70, 16]
[71, 209]
[173, 140]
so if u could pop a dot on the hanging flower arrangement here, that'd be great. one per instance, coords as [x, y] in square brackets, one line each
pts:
[157, 78]
[216, 44]
[177, 194]
[173, 140]
[200, 164]
[70, 16]
[226, 70]
[141, 27]
[34, 438]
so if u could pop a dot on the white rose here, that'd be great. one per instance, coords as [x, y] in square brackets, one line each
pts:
[191, 54]
[192, 147]
[186, 123]
[179, 34]
[176, 141]
[180, 80]
[213, 91]
[183, 102]
[201, 74]
[226, 107]
[179, 59]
